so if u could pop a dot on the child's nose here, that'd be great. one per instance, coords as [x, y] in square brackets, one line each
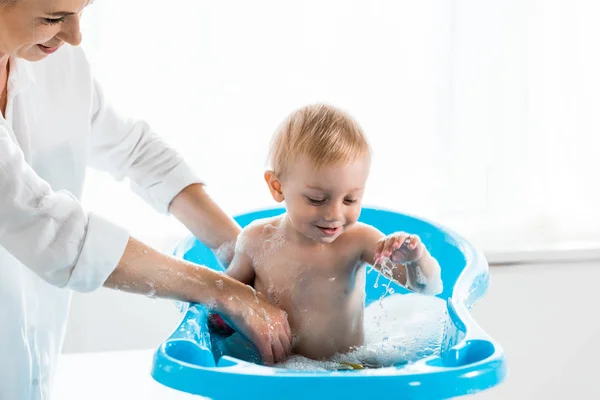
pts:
[333, 212]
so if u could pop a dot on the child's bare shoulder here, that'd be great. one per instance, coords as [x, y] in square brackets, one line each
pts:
[262, 227]
[256, 234]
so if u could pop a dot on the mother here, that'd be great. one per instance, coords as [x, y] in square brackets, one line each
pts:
[54, 122]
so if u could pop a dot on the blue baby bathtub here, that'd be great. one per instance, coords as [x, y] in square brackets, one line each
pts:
[191, 359]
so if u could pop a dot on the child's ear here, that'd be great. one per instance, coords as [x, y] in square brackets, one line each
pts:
[274, 186]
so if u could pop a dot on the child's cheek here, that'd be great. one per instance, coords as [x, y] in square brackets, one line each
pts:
[302, 213]
[308, 212]
[354, 213]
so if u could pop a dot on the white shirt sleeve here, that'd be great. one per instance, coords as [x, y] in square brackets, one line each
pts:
[48, 231]
[128, 148]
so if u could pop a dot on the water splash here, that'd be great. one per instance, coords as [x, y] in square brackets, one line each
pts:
[399, 329]
[152, 292]
[224, 252]
[254, 293]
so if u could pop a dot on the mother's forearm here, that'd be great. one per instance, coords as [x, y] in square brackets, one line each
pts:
[206, 220]
[144, 270]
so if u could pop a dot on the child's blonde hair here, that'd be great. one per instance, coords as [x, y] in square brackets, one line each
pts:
[321, 132]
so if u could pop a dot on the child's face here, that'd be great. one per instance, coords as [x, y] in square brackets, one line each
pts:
[322, 203]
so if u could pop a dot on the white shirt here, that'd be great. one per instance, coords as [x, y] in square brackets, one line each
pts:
[57, 123]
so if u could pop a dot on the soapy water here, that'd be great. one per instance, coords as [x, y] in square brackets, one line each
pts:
[152, 292]
[224, 253]
[399, 329]
[387, 271]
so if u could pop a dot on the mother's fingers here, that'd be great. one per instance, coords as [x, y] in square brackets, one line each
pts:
[263, 344]
[278, 349]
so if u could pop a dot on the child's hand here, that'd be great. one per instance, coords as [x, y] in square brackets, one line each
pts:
[399, 247]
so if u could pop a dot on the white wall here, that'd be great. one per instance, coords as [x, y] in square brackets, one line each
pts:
[546, 323]
[108, 320]
[544, 317]
[472, 102]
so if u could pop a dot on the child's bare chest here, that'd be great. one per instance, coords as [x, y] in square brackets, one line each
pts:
[298, 278]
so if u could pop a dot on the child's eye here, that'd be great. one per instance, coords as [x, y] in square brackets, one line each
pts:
[349, 201]
[54, 21]
[315, 202]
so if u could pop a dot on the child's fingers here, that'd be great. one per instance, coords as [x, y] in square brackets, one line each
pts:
[415, 240]
[390, 246]
[403, 242]
[396, 242]
[400, 248]
[378, 250]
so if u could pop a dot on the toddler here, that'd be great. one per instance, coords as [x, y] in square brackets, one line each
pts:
[311, 261]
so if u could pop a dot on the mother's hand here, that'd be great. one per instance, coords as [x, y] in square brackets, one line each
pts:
[261, 322]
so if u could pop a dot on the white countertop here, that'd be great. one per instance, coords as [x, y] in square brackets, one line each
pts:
[115, 375]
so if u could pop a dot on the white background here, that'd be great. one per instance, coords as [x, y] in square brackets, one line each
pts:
[482, 114]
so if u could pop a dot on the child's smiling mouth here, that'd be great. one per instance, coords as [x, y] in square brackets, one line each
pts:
[329, 231]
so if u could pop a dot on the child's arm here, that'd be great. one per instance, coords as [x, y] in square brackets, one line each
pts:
[402, 258]
[242, 264]
[241, 268]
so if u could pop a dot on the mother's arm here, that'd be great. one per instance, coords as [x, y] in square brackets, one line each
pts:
[144, 270]
[128, 148]
[206, 220]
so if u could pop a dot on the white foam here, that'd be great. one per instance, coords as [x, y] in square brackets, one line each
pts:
[273, 239]
[152, 292]
[398, 329]
[275, 296]
[211, 304]
[242, 245]
[224, 252]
